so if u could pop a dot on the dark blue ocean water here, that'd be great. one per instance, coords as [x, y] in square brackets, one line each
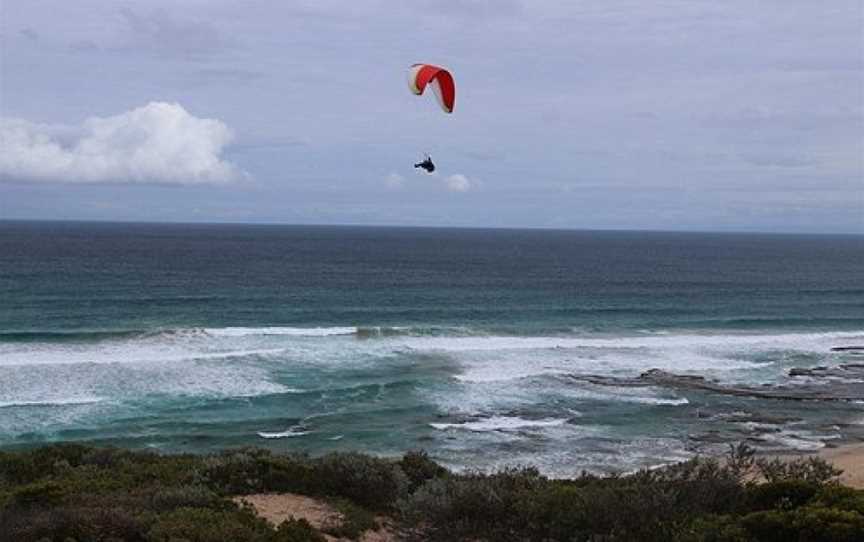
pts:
[198, 337]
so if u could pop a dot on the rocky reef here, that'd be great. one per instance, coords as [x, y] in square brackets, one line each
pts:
[839, 383]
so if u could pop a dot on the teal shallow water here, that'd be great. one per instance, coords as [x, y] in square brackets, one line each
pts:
[194, 338]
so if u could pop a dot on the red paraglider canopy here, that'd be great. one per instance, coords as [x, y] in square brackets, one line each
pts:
[441, 81]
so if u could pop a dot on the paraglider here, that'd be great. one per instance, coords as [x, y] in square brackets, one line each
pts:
[423, 75]
[427, 75]
[426, 164]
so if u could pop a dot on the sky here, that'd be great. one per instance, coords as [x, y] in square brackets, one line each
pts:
[614, 114]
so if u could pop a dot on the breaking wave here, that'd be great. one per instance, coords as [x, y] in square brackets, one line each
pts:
[52, 402]
[500, 423]
[290, 331]
[289, 433]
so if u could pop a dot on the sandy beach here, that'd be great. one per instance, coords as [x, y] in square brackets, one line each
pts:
[849, 458]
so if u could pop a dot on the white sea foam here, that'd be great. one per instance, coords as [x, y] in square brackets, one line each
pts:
[802, 440]
[798, 341]
[643, 396]
[129, 352]
[495, 375]
[732, 357]
[288, 433]
[289, 331]
[59, 402]
[500, 423]
[501, 373]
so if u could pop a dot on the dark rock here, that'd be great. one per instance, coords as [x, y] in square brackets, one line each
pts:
[852, 390]
[850, 371]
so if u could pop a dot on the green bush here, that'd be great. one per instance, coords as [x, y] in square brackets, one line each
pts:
[471, 506]
[297, 530]
[206, 525]
[236, 472]
[368, 481]
[715, 529]
[170, 498]
[419, 468]
[563, 512]
[71, 522]
[290, 473]
[811, 524]
[355, 520]
[780, 495]
[72, 492]
[809, 469]
[45, 493]
[840, 497]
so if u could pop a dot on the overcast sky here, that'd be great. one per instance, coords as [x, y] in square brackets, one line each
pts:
[625, 114]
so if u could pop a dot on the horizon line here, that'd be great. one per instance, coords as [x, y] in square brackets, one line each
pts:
[423, 227]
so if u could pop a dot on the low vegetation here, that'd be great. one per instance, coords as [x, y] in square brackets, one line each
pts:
[71, 492]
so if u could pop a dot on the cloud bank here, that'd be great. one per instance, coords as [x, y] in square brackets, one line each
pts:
[159, 143]
[458, 183]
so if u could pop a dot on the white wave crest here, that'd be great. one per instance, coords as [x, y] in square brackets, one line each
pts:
[801, 341]
[500, 423]
[276, 330]
[288, 433]
[120, 353]
[73, 401]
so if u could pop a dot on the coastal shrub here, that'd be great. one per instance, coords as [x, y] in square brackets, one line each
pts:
[291, 473]
[297, 530]
[106, 458]
[170, 498]
[813, 524]
[808, 469]
[69, 453]
[234, 472]
[740, 461]
[71, 523]
[653, 504]
[148, 468]
[206, 525]
[78, 493]
[18, 468]
[715, 529]
[635, 509]
[471, 506]
[695, 486]
[369, 481]
[355, 520]
[841, 497]
[44, 493]
[419, 468]
[562, 512]
[779, 495]
[45, 462]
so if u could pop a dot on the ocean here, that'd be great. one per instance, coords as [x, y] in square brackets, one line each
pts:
[460, 342]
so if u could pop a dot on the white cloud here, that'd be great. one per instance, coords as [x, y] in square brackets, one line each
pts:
[394, 180]
[458, 183]
[157, 143]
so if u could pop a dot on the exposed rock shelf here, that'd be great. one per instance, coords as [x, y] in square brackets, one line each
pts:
[841, 383]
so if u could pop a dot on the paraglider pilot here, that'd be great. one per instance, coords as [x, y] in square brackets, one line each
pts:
[426, 164]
